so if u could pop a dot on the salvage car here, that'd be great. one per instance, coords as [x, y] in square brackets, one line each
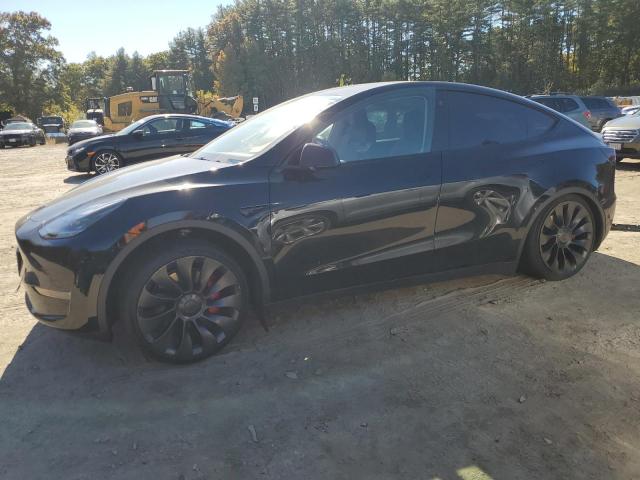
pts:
[15, 134]
[150, 138]
[82, 130]
[332, 190]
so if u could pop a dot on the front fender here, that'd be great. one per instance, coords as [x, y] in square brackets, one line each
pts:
[216, 227]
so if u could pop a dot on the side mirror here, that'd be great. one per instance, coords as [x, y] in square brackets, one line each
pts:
[315, 156]
[138, 134]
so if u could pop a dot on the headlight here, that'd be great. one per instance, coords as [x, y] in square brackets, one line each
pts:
[77, 220]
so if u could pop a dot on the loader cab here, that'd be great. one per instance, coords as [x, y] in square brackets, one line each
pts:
[175, 90]
[94, 109]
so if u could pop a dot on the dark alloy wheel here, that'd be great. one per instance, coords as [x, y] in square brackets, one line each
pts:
[190, 306]
[562, 239]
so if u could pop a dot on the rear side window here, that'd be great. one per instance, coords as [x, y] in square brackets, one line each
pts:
[596, 103]
[477, 120]
[568, 105]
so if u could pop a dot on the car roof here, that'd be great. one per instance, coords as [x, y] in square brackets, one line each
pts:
[378, 87]
[184, 115]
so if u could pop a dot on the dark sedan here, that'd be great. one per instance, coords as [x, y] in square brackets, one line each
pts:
[16, 134]
[82, 130]
[352, 185]
[150, 138]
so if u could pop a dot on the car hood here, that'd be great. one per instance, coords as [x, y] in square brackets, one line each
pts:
[165, 174]
[13, 132]
[91, 141]
[631, 121]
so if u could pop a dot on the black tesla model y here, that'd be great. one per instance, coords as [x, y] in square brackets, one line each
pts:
[334, 189]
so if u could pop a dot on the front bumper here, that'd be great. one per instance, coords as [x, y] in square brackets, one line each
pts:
[15, 141]
[629, 150]
[78, 163]
[60, 290]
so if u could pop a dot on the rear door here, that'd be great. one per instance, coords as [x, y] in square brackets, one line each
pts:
[196, 133]
[485, 188]
[370, 218]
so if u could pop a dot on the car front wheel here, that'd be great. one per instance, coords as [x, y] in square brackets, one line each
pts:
[106, 162]
[186, 302]
[561, 239]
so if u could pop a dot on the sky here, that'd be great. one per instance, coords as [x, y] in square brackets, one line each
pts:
[104, 26]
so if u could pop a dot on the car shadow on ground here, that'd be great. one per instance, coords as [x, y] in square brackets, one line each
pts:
[433, 381]
[78, 178]
[628, 164]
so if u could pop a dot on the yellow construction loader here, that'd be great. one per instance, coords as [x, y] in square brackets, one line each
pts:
[171, 92]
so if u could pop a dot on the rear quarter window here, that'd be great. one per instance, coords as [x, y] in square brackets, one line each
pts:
[478, 120]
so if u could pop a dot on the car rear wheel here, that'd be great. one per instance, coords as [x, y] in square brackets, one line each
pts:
[561, 239]
[185, 303]
[106, 162]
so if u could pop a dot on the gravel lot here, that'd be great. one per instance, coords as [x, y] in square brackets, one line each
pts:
[482, 378]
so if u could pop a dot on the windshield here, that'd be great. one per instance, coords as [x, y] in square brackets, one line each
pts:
[18, 126]
[256, 135]
[172, 84]
[131, 128]
[83, 124]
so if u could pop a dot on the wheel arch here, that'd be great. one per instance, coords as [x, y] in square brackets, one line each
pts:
[230, 241]
[551, 196]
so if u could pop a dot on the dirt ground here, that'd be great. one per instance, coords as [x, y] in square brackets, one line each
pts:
[482, 378]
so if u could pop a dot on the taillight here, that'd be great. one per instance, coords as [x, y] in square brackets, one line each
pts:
[587, 114]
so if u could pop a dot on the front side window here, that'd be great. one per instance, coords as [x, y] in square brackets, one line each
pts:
[160, 126]
[382, 127]
[477, 120]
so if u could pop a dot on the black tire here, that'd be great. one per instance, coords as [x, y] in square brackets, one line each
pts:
[106, 161]
[32, 142]
[602, 123]
[176, 315]
[561, 239]
[43, 141]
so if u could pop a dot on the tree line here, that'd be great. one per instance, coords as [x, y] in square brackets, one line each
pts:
[278, 49]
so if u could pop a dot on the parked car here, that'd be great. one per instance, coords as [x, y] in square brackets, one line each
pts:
[54, 126]
[602, 110]
[570, 105]
[630, 110]
[15, 134]
[82, 130]
[357, 184]
[152, 137]
[623, 135]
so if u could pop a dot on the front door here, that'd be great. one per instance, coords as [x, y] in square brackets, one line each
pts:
[159, 139]
[372, 217]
